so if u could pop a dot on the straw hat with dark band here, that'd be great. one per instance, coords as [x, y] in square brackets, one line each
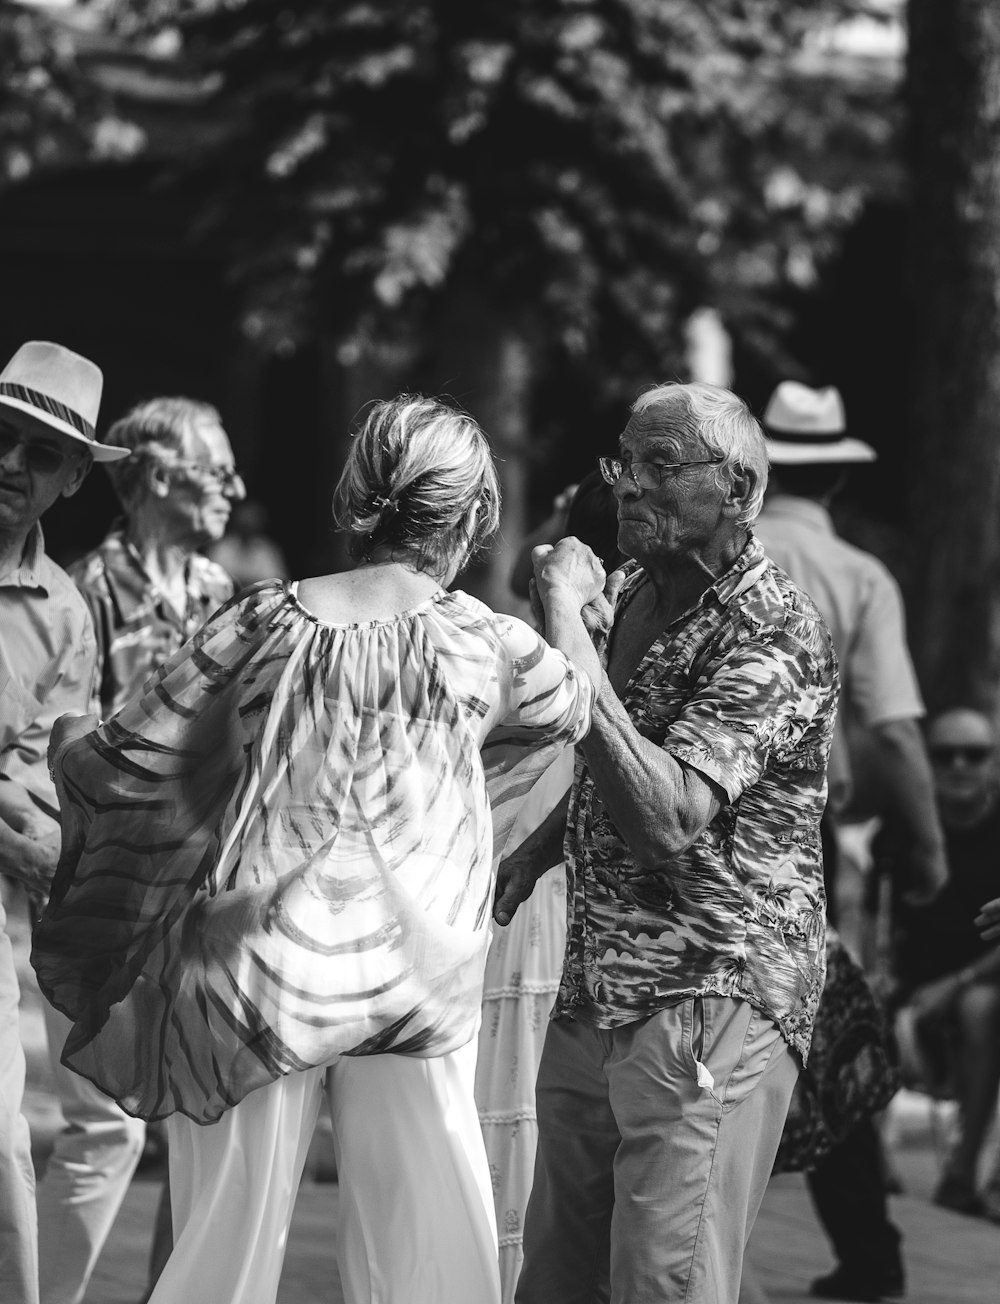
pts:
[60, 389]
[807, 425]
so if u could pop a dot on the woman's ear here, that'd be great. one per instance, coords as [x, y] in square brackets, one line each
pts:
[469, 524]
[157, 478]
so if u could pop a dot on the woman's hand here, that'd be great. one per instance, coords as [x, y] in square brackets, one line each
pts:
[988, 920]
[568, 569]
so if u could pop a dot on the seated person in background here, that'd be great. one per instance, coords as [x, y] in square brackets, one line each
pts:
[948, 973]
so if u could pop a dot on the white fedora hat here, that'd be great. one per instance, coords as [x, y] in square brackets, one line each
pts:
[807, 425]
[60, 389]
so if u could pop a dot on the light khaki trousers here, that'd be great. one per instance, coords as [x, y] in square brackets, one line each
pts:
[655, 1144]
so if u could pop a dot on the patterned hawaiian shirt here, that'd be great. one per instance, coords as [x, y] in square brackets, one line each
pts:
[742, 688]
[137, 630]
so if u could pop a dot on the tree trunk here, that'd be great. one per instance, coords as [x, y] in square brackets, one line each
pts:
[953, 474]
[486, 359]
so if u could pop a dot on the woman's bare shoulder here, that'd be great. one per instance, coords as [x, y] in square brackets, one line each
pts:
[364, 594]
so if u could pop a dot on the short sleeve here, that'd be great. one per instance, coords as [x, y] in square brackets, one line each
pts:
[880, 680]
[763, 695]
[23, 755]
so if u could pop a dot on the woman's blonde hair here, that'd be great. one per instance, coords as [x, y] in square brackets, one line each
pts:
[416, 468]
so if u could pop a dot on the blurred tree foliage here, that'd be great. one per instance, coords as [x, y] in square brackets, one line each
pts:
[591, 170]
[51, 111]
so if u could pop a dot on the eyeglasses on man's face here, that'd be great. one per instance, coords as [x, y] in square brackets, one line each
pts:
[970, 753]
[43, 458]
[646, 475]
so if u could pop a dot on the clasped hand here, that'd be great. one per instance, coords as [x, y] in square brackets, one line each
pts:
[570, 569]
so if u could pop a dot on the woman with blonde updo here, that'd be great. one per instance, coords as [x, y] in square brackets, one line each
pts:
[277, 881]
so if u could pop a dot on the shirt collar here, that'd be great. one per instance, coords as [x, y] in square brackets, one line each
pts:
[745, 571]
[30, 571]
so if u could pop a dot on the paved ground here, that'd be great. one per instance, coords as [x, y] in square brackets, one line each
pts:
[950, 1259]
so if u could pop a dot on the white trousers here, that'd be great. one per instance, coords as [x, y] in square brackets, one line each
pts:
[86, 1179]
[416, 1205]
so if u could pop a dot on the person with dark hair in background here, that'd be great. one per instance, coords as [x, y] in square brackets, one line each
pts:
[695, 956]
[303, 848]
[148, 589]
[809, 451]
[586, 510]
[947, 975]
[49, 401]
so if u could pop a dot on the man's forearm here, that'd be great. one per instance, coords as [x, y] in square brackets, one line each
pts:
[658, 805]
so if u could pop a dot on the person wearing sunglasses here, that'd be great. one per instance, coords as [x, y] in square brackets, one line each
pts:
[148, 589]
[49, 401]
[695, 948]
[947, 973]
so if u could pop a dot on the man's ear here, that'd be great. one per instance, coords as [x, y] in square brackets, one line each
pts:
[741, 490]
[80, 472]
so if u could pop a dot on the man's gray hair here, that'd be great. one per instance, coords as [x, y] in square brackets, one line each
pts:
[154, 430]
[724, 424]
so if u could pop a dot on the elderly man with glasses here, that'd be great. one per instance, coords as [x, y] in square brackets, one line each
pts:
[148, 589]
[49, 400]
[695, 955]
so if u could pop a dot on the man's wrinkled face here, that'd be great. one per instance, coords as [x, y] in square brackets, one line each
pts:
[204, 484]
[37, 466]
[684, 512]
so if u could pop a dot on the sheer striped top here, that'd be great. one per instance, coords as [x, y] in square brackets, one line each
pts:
[282, 849]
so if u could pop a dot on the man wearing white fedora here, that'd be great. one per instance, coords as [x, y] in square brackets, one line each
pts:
[49, 400]
[809, 451]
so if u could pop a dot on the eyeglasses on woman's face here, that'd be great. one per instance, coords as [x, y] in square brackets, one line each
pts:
[646, 475]
[226, 478]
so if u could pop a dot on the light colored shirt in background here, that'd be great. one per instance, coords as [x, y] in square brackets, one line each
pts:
[863, 607]
[48, 657]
